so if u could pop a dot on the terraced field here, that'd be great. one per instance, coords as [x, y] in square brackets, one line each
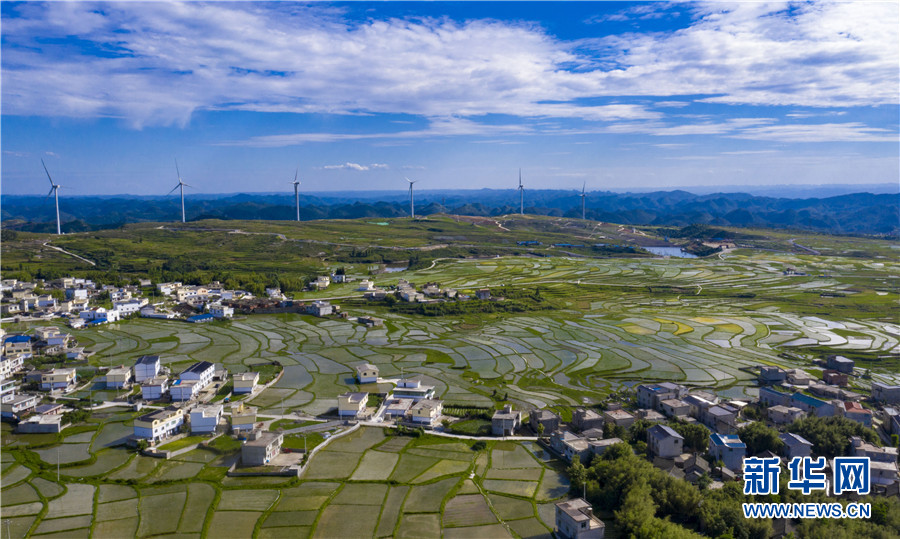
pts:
[362, 484]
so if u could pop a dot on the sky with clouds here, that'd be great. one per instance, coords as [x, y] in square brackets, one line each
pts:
[359, 95]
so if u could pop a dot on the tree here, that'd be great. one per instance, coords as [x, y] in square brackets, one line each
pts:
[830, 436]
[540, 430]
[759, 438]
[577, 474]
[695, 436]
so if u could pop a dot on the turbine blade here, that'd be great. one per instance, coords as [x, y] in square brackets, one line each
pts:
[47, 171]
[295, 175]
[50, 193]
[177, 171]
[173, 189]
[186, 185]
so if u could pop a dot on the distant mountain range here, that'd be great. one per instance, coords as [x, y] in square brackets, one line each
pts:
[858, 213]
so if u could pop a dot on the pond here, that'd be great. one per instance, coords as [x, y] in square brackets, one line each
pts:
[670, 251]
[389, 269]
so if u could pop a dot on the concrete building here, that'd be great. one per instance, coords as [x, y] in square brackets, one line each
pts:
[782, 415]
[205, 418]
[412, 388]
[795, 445]
[675, 408]
[11, 365]
[664, 442]
[883, 461]
[16, 344]
[729, 449]
[813, 405]
[202, 372]
[261, 448]
[841, 364]
[570, 446]
[427, 411]
[854, 411]
[245, 382]
[58, 380]
[18, 405]
[548, 419]
[154, 388]
[771, 397]
[771, 375]
[836, 378]
[584, 419]
[118, 377]
[598, 447]
[160, 424]
[886, 393]
[620, 418]
[575, 520]
[352, 405]
[184, 390]
[319, 308]
[243, 418]
[651, 395]
[221, 311]
[367, 373]
[146, 368]
[505, 421]
[397, 408]
[41, 424]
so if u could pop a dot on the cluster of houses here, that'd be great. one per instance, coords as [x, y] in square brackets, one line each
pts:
[410, 402]
[407, 291]
[584, 437]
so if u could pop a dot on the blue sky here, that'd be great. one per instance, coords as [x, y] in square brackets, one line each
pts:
[456, 95]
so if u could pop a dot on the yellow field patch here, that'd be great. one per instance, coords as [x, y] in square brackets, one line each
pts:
[635, 329]
[732, 328]
[681, 328]
[705, 320]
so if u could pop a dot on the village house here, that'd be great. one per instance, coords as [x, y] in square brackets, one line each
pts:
[245, 382]
[412, 388]
[200, 318]
[799, 377]
[370, 321]
[720, 418]
[202, 372]
[729, 449]
[18, 405]
[585, 418]
[840, 364]
[886, 393]
[321, 283]
[16, 344]
[397, 408]
[427, 411]
[855, 412]
[41, 424]
[795, 445]
[782, 415]
[664, 442]
[836, 378]
[771, 397]
[811, 404]
[505, 421]
[882, 460]
[548, 419]
[146, 368]
[154, 388]
[243, 417]
[261, 448]
[365, 286]
[319, 308]
[118, 377]
[160, 424]
[575, 520]
[352, 404]
[570, 445]
[58, 380]
[217, 310]
[598, 447]
[205, 418]
[695, 467]
[367, 373]
[483, 294]
[675, 408]
[650, 415]
[129, 307]
[99, 315]
[769, 374]
[652, 395]
[619, 418]
[11, 365]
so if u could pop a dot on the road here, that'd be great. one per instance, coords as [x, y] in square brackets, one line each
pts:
[61, 250]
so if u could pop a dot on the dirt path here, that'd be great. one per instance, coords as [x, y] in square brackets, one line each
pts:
[61, 250]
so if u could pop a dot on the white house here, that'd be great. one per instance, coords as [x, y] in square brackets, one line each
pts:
[205, 418]
[118, 377]
[352, 404]
[412, 388]
[245, 382]
[146, 368]
[159, 424]
[184, 390]
[221, 311]
[201, 372]
[365, 286]
[575, 520]
[319, 308]
[664, 442]
[154, 388]
[427, 411]
[367, 373]
[100, 314]
[129, 307]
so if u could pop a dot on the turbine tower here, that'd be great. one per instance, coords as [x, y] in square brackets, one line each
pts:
[582, 199]
[297, 193]
[181, 185]
[412, 206]
[521, 195]
[54, 190]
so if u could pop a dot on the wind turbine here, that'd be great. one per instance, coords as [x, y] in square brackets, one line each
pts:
[582, 200]
[297, 193]
[521, 195]
[54, 190]
[182, 185]
[412, 206]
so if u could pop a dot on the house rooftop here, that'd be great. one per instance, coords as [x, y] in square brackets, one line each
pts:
[727, 440]
[199, 367]
[790, 438]
[246, 376]
[806, 399]
[165, 413]
[147, 360]
[264, 439]
[17, 338]
[580, 511]
[356, 396]
[366, 367]
[664, 431]
[208, 410]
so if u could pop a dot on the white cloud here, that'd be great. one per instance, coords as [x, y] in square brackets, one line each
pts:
[846, 132]
[163, 61]
[356, 166]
